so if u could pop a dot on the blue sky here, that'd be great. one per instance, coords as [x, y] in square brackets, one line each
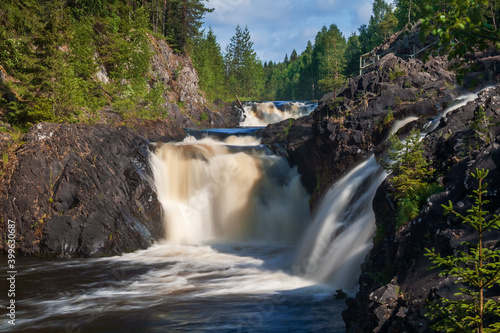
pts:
[279, 26]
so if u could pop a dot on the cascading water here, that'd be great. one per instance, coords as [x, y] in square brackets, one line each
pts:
[233, 214]
[341, 232]
[457, 103]
[265, 113]
[339, 237]
[213, 191]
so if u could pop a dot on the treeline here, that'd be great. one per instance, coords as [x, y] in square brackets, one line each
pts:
[322, 67]
[52, 52]
[325, 64]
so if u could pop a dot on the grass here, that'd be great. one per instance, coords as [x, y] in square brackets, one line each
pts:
[396, 72]
[388, 117]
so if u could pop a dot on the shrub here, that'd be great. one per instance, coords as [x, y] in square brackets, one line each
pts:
[411, 174]
[396, 72]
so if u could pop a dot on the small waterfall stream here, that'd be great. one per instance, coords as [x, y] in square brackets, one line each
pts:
[265, 113]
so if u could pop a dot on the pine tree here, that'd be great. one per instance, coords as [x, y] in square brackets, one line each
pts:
[182, 21]
[307, 83]
[388, 24]
[352, 54]
[477, 268]
[407, 11]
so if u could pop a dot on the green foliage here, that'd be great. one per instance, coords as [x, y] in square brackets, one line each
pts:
[408, 209]
[334, 61]
[407, 11]
[462, 26]
[209, 63]
[380, 233]
[5, 158]
[388, 23]
[396, 72]
[324, 65]
[411, 174]
[409, 206]
[477, 268]
[410, 170]
[389, 117]
[153, 103]
[180, 20]
[203, 117]
[53, 50]
[482, 124]
[244, 71]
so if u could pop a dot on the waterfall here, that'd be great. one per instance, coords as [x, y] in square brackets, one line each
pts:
[229, 190]
[341, 231]
[262, 114]
[340, 235]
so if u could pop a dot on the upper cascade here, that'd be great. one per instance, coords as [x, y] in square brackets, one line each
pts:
[265, 113]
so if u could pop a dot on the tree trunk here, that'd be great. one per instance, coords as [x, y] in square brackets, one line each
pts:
[409, 14]
[163, 14]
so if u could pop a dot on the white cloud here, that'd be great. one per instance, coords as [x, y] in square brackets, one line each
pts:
[364, 11]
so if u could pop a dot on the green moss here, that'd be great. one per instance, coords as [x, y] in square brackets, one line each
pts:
[204, 116]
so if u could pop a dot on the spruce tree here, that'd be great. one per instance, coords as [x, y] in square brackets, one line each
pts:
[477, 269]
[244, 71]
[209, 63]
[411, 175]
[334, 60]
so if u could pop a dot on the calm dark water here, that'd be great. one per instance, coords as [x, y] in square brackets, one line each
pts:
[172, 288]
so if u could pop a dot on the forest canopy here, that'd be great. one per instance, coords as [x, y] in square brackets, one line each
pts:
[50, 48]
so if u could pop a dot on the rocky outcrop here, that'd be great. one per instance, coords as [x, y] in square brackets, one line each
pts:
[397, 262]
[347, 128]
[81, 190]
[184, 101]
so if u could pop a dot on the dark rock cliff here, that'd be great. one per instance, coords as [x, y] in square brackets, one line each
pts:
[396, 282]
[81, 190]
[344, 130]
